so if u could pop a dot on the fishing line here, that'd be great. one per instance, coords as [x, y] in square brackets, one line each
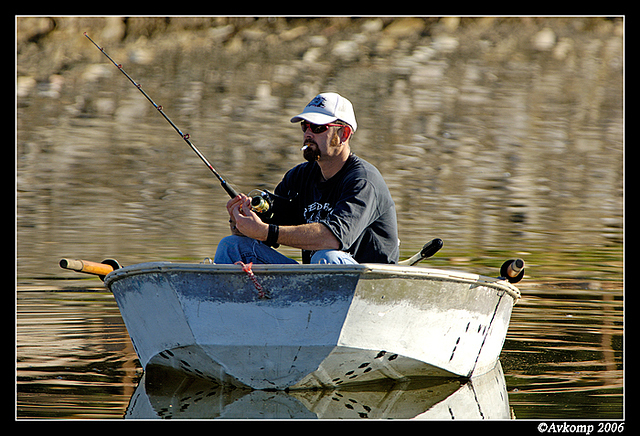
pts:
[232, 193]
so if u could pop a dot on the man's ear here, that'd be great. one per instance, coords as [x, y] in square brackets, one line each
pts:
[346, 133]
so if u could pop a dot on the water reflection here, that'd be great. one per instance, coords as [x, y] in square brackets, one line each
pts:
[166, 394]
[564, 353]
[74, 356]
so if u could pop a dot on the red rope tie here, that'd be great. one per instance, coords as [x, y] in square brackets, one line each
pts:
[247, 268]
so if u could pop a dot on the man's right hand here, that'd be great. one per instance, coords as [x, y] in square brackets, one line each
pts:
[231, 204]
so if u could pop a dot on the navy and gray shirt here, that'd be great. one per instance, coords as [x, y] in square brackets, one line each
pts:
[355, 204]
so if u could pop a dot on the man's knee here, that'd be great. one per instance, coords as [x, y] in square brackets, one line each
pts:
[332, 257]
[229, 249]
[230, 242]
[232, 249]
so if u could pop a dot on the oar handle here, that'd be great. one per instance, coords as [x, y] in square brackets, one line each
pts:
[512, 270]
[88, 267]
[428, 250]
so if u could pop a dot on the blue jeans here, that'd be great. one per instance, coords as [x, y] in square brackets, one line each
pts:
[232, 249]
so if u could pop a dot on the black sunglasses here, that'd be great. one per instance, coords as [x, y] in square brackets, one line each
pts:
[318, 128]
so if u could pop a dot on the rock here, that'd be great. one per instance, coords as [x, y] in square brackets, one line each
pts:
[114, 29]
[544, 40]
[252, 34]
[235, 45]
[346, 50]
[372, 26]
[286, 74]
[142, 56]
[105, 106]
[221, 33]
[450, 23]
[422, 54]
[404, 27]
[94, 72]
[296, 32]
[24, 86]
[445, 43]
[318, 40]
[264, 100]
[385, 45]
[312, 55]
[563, 48]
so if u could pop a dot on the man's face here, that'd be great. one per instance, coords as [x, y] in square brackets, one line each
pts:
[321, 145]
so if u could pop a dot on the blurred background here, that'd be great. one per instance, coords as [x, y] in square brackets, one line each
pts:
[502, 136]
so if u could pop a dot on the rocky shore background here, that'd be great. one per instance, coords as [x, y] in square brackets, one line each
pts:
[48, 46]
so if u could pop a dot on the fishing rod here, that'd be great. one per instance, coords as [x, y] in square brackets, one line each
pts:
[232, 193]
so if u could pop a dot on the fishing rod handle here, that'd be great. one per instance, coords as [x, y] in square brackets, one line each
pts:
[227, 187]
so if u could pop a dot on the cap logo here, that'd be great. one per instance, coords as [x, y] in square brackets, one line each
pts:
[318, 101]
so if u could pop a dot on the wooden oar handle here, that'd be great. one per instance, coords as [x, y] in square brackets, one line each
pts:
[86, 266]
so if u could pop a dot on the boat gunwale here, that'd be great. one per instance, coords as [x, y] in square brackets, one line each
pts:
[361, 269]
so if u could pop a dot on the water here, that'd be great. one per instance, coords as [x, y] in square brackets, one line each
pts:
[497, 147]
[74, 356]
[562, 359]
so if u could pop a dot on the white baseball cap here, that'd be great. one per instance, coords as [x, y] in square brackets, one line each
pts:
[326, 108]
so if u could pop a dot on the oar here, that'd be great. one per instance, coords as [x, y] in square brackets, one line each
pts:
[428, 250]
[88, 267]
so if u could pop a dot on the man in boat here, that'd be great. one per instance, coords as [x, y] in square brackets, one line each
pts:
[335, 207]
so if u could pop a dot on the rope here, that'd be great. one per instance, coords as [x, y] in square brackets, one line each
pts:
[262, 294]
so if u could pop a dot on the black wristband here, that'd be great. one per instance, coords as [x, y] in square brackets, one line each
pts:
[272, 236]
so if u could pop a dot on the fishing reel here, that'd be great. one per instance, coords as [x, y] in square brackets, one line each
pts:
[265, 203]
[262, 203]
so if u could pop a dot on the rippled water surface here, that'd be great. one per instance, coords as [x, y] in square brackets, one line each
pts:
[498, 144]
[562, 359]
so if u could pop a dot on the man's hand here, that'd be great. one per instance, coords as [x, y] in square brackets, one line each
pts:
[245, 220]
[232, 219]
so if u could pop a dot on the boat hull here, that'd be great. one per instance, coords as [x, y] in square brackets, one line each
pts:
[321, 325]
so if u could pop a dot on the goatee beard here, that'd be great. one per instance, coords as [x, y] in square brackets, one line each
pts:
[314, 154]
[311, 154]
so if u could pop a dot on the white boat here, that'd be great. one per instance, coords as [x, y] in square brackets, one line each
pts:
[313, 326]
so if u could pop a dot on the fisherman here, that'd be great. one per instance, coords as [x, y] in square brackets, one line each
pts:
[339, 209]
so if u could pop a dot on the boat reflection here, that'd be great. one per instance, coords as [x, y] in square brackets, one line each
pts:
[165, 394]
